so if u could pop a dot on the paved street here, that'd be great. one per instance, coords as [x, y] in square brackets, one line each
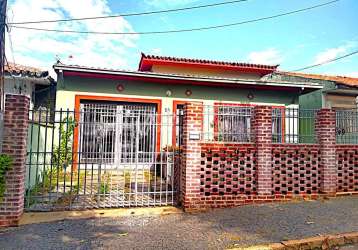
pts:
[217, 229]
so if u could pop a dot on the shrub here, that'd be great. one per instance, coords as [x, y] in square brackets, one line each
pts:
[62, 154]
[5, 165]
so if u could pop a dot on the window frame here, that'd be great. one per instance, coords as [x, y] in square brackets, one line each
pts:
[227, 104]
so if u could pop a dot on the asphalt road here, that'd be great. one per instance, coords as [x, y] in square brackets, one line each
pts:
[216, 229]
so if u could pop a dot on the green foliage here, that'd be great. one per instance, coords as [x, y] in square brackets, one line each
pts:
[104, 188]
[62, 154]
[51, 179]
[5, 165]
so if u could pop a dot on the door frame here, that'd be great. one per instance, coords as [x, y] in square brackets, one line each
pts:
[79, 98]
[174, 129]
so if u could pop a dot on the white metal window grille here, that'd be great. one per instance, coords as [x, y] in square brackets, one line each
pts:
[234, 123]
[117, 133]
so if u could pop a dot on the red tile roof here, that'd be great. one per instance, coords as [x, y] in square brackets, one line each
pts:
[148, 60]
[17, 69]
[345, 80]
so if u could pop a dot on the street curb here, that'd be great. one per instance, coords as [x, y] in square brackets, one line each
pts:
[42, 217]
[320, 242]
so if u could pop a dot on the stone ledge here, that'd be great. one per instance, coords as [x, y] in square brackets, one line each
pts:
[43, 217]
[320, 242]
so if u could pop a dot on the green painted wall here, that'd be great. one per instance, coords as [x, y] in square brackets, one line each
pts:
[178, 91]
[314, 100]
[39, 141]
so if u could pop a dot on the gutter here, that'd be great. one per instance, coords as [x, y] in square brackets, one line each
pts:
[41, 81]
[152, 75]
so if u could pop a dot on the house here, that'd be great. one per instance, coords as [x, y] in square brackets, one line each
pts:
[32, 82]
[116, 136]
[161, 86]
[339, 93]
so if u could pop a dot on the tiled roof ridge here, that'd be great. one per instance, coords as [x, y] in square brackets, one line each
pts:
[206, 61]
[346, 80]
[18, 69]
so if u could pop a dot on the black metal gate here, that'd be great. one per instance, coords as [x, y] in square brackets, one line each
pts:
[103, 155]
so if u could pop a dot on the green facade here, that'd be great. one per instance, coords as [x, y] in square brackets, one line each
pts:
[150, 89]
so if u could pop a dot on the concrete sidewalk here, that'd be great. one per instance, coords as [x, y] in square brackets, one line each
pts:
[217, 229]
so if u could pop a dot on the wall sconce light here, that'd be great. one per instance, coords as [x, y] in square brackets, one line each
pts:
[188, 92]
[250, 96]
[168, 93]
[120, 87]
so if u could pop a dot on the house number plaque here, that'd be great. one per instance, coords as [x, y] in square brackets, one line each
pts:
[194, 136]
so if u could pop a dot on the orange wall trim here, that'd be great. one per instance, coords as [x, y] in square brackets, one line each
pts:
[79, 98]
[174, 130]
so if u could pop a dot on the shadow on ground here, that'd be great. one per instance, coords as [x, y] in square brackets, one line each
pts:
[216, 229]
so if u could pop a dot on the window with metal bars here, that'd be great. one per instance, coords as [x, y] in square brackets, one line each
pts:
[116, 133]
[233, 123]
[346, 126]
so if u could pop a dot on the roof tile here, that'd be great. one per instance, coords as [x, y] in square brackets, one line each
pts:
[18, 69]
[210, 62]
[345, 80]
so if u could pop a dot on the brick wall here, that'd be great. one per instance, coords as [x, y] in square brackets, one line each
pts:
[262, 125]
[14, 144]
[231, 174]
[228, 169]
[190, 174]
[296, 169]
[325, 126]
[347, 168]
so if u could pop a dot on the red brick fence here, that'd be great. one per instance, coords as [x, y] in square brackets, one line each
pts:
[218, 174]
[14, 144]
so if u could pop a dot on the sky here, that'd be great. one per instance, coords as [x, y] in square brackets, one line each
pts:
[293, 41]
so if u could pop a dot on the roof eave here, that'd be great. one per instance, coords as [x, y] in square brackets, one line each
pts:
[188, 78]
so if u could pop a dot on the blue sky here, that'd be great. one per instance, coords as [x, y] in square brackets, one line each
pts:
[293, 41]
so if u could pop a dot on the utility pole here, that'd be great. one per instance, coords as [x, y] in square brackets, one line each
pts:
[3, 4]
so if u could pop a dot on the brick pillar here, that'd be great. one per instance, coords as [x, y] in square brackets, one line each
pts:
[190, 179]
[325, 128]
[262, 129]
[14, 144]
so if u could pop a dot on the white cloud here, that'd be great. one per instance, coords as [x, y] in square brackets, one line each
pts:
[352, 74]
[37, 48]
[167, 3]
[268, 56]
[329, 54]
[333, 53]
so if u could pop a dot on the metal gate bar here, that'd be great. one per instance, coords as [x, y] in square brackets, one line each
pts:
[104, 155]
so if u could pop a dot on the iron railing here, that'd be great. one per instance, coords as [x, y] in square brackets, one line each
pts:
[293, 125]
[104, 155]
[227, 123]
[346, 126]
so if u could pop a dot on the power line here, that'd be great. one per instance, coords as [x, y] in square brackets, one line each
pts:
[328, 61]
[134, 14]
[179, 30]
[3, 5]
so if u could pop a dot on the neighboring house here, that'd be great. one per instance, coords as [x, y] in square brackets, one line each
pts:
[41, 89]
[30, 81]
[339, 93]
[119, 101]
